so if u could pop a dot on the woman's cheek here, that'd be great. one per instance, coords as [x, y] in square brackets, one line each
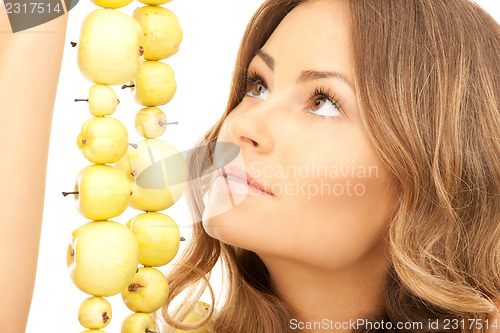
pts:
[347, 213]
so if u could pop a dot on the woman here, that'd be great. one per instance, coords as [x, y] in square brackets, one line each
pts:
[396, 101]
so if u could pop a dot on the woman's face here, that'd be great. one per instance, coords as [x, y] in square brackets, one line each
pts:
[301, 137]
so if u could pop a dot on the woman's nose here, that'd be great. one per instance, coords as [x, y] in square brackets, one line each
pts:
[251, 131]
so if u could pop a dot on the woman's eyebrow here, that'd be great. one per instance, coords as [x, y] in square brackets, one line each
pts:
[268, 60]
[316, 75]
[308, 75]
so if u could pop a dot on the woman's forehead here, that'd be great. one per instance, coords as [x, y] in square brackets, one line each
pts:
[314, 36]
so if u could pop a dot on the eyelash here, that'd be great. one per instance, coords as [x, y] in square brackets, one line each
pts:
[250, 80]
[253, 77]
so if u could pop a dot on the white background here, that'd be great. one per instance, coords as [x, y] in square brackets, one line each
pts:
[203, 66]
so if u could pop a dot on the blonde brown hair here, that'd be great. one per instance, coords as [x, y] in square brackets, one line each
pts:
[427, 78]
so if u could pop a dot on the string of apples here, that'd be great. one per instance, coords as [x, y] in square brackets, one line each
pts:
[103, 256]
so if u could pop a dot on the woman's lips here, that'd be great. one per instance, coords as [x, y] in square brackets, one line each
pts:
[238, 180]
[236, 187]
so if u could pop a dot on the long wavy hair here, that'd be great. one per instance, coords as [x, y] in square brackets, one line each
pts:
[427, 78]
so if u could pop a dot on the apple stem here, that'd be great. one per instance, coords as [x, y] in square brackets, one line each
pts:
[81, 100]
[73, 44]
[174, 123]
[128, 86]
[133, 145]
[66, 193]
[183, 239]
[118, 101]
[105, 317]
[134, 286]
[148, 331]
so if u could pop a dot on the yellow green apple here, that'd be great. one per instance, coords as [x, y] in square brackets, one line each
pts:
[110, 47]
[138, 323]
[94, 312]
[158, 236]
[199, 313]
[161, 31]
[150, 122]
[149, 200]
[102, 257]
[155, 84]
[158, 174]
[147, 291]
[103, 140]
[101, 192]
[102, 100]
[111, 3]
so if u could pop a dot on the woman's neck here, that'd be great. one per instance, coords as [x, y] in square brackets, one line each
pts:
[331, 298]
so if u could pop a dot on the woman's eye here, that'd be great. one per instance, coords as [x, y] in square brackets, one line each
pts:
[323, 106]
[259, 90]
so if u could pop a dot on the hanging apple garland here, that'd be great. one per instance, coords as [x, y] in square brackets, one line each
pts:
[103, 256]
